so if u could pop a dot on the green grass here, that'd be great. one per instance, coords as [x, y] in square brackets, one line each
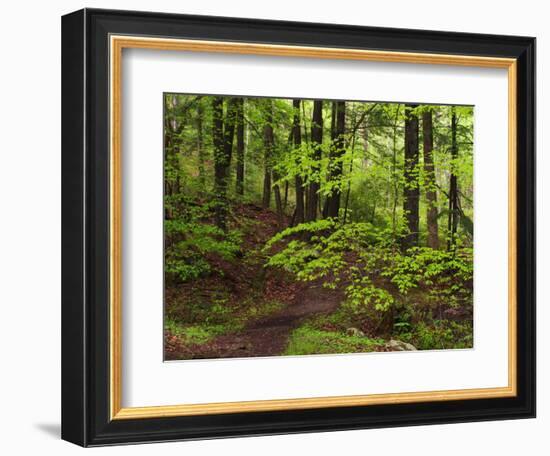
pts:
[200, 334]
[307, 340]
[341, 318]
[222, 321]
[261, 310]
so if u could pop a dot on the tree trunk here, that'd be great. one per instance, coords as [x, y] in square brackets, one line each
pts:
[394, 171]
[167, 149]
[278, 199]
[297, 138]
[268, 153]
[353, 138]
[200, 144]
[452, 224]
[411, 190]
[222, 134]
[324, 211]
[239, 185]
[429, 176]
[316, 142]
[337, 152]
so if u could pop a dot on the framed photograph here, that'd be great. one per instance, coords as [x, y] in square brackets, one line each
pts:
[278, 227]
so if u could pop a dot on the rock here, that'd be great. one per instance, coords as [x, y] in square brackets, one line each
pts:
[355, 332]
[398, 345]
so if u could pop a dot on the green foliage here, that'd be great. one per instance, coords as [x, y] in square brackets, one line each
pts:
[366, 262]
[385, 292]
[362, 293]
[445, 275]
[188, 257]
[192, 243]
[439, 335]
[307, 340]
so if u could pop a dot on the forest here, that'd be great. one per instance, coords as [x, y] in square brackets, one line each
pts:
[308, 226]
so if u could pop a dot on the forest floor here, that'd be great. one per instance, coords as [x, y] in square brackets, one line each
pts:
[246, 310]
[267, 336]
[243, 309]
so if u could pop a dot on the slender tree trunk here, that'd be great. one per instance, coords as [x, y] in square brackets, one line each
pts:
[452, 224]
[178, 127]
[222, 134]
[306, 138]
[394, 172]
[429, 176]
[270, 147]
[278, 199]
[219, 162]
[353, 139]
[200, 144]
[316, 141]
[297, 138]
[338, 150]
[268, 153]
[167, 153]
[412, 190]
[229, 131]
[324, 211]
[239, 185]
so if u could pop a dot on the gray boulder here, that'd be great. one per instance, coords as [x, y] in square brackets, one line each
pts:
[398, 345]
[355, 332]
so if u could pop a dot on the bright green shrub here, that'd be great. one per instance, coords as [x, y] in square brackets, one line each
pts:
[192, 242]
[366, 261]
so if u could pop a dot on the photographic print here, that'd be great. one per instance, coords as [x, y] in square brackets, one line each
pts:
[309, 214]
[306, 227]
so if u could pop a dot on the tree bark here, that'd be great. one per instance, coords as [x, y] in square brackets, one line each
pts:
[394, 171]
[268, 153]
[429, 176]
[453, 215]
[297, 139]
[411, 192]
[168, 151]
[239, 185]
[352, 146]
[222, 134]
[200, 145]
[337, 152]
[278, 199]
[316, 143]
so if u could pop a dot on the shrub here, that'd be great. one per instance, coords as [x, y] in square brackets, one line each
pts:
[192, 242]
[366, 261]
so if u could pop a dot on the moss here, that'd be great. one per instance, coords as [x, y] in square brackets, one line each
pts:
[307, 340]
[199, 334]
[261, 310]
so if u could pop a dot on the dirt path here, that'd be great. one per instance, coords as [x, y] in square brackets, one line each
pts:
[268, 336]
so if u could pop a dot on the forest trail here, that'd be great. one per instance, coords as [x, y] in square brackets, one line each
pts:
[268, 336]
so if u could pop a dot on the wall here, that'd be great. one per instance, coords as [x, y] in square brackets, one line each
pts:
[30, 228]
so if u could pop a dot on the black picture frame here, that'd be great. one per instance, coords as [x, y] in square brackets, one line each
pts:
[85, 224]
